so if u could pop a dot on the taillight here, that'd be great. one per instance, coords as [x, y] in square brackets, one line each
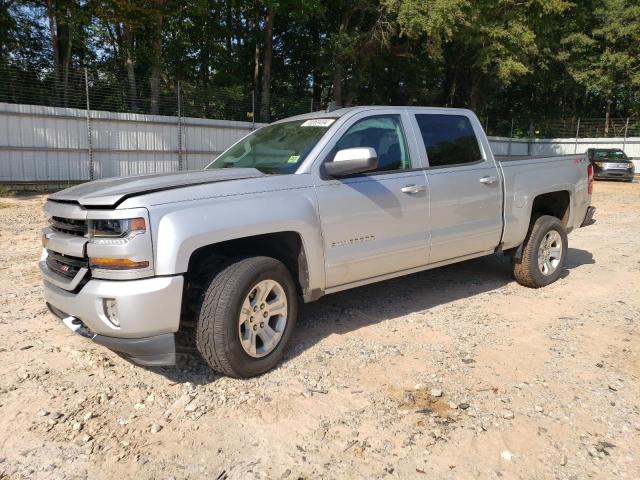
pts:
[590, 174]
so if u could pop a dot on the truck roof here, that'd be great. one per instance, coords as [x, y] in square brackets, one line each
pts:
[347, 110]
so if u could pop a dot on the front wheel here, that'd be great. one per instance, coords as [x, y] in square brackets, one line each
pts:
[246, 316]
[544, 253]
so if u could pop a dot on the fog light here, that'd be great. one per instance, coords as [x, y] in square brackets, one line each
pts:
[111, 311]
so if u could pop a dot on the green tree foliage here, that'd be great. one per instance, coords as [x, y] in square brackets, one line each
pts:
[502, 58]
[604, 56]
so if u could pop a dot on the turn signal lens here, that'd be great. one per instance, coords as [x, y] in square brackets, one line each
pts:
[116, 263]
[137, 225]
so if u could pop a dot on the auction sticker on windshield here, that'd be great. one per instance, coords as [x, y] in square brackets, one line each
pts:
[318, 122]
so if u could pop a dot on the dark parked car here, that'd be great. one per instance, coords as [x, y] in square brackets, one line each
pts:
[611, 163]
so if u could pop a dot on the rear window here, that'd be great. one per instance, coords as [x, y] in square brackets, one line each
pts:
[449, 139]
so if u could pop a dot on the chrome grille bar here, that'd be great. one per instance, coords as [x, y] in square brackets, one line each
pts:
[69, 226]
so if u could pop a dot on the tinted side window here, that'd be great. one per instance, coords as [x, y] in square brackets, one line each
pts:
[449, 139]
[382, 133]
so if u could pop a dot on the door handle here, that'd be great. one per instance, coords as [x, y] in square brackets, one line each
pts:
[413, 188]
[488, 180]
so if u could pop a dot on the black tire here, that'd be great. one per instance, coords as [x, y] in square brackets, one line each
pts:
[217, 316]
[526, 270]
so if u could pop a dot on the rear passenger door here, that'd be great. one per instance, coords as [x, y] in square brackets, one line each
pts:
[464, 185]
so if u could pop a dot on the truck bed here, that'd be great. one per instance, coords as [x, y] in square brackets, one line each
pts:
[526, 177]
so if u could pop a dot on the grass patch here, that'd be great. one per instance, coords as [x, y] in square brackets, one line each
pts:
[5, 191]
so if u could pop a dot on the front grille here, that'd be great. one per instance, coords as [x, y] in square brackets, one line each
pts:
[69, 226]
[622, 166]
[65, 265]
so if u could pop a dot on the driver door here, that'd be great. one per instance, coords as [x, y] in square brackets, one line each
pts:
[376, 223]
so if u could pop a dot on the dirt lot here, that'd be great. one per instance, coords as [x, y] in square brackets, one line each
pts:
[533, 383]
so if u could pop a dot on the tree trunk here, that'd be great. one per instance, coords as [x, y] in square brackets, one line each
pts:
[338, 73]
[156, 66]
[55, 48]
[265, 104]
[129, 64]
[317, 71]
[256, 53]
[66, 66]
[474, 96]
[452, 91]
[229, 31]
[256, 67]
[338, 67]
[607, 116]
[65, 43]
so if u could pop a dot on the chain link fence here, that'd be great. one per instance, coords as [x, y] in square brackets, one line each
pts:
[106, 91]
[575, 127]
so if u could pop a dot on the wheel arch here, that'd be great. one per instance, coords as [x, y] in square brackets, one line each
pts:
[285, 246]
[556, 204]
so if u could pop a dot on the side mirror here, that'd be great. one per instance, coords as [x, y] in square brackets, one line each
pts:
[352, 160]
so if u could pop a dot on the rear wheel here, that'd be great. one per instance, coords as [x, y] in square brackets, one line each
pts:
[246, 316]
[544, 253]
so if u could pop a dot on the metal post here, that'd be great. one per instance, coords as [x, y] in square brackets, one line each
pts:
[179, 128]
[311, 107]
[89, 142]
[486, 126]
[253, 109]
[510, 139]
[624, 141]
[575, 147]
[530, 138]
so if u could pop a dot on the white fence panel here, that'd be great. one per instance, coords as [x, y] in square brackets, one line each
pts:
[47, 144]
[565, 146]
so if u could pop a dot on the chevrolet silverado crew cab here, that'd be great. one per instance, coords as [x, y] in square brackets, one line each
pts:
[298, 209]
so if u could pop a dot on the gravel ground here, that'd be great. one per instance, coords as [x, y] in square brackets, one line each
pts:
[454, 373]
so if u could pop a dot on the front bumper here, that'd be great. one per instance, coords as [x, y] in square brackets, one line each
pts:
[148, 312]
[600, 173]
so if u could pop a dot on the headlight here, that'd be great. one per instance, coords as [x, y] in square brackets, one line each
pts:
[599, 164]
[116, 228]
[120, 248]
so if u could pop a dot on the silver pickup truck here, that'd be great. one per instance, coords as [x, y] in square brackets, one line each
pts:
[304, 207]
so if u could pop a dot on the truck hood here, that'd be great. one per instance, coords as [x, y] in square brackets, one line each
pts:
[112, 191]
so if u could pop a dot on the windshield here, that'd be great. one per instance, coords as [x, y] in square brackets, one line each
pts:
[278, 148]
[609, 155]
